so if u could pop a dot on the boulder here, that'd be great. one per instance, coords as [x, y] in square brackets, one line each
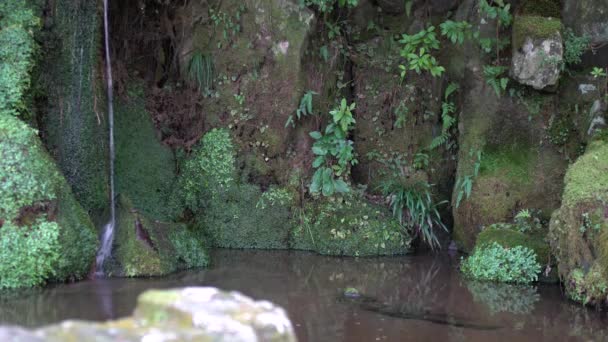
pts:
[537, 51]
[579, 229]
[188, 314]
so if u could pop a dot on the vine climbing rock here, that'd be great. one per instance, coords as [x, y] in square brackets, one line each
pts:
[579, 229]
[187, 314]
[538, 51]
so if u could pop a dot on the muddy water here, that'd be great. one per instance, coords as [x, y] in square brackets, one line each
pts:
[415, 298]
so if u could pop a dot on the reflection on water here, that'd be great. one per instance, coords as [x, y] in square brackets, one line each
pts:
[414, 298]
[516, 299]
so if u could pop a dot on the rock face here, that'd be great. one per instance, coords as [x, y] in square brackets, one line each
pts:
[579, 229]
[587, 17]
[538, 52]
[189, 314]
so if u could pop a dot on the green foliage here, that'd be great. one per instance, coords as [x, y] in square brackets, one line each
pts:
[497, 9]
[348, 225]
[456, 31]
[209, 170]
[200, 71]
[528, 220]
[188, 248]
[401, 113]
[275, 197]
[28, 254]
[598, 72]
[17, 48]
[447, 110]
[335, 152]
[417, 48]
[305, 108]
[496, 263]
[27, 173]
[511, 235]
[244, 217]
[493, 76]
[229, 24]
[326, 6]
[575, 46]
[413, 206]
[464, 184]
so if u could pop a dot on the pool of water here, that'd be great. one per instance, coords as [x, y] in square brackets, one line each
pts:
[412, 298]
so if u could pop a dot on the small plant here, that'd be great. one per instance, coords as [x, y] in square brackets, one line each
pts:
[240, 99]
[401, 113]
[447, 109]
[493, 76]
[601, 73]
[200, 71]
[464, 185]
[335, 152]
[501, 12]
[528, 220]
[304, 109]
[417, 50]
[496, 263]
[456, 31]
[575, 46]
[413, 206]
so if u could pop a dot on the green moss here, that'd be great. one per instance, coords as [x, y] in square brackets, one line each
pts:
[33, 191]
[588, 287]
[239, 218]
[73, 118]
[509, 238]
[144, 167]
[534, 27]
[170, 246]
[588, 177]
[349, 227]
[513, 163]
[542, 8]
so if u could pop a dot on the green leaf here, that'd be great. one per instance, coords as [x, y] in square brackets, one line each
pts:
[316, 135]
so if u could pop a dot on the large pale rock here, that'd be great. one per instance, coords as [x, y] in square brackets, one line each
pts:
[189, 314]
[538, 51]
[538, 62]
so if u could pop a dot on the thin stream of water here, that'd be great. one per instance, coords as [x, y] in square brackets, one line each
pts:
[108, 232]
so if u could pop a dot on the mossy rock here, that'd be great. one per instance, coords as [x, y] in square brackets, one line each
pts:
[33, 189]
[534, 27]
[237, 219]
[517, 169]
[151, 248]
[349, 227]
[579, 229]
[73, 118]
[542, 8]
[507, 237]
[145, 168]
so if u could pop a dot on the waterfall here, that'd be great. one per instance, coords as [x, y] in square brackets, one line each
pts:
[108, 231]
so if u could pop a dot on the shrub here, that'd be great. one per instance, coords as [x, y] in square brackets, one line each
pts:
[496, 263]
[188, 248]
[28, 254]
[209, 171]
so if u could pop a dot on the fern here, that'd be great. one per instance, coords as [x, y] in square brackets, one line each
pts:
[447, 109]
[304, 109]
[200, 71]
[493, 77]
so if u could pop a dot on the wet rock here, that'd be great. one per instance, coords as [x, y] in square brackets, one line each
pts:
[189, 314]
[597, 114]
[538, 52]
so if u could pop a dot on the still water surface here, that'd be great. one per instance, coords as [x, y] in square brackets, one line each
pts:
[413, 298]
